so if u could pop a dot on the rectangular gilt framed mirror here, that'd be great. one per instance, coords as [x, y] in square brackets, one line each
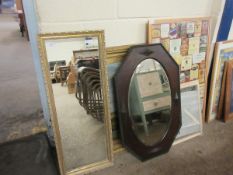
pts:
[78, 99]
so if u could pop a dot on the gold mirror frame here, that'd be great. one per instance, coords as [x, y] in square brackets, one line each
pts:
[51, 102]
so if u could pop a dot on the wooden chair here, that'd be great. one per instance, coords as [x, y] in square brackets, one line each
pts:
[64, 72]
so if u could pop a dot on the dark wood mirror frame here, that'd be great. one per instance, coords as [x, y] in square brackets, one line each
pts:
[134, 57]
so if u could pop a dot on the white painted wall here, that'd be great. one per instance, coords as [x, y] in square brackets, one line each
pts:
[163, 8]
[230, 36]
[216, 16]
[124, 21]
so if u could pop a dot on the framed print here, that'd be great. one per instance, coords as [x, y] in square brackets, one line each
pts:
[190, 29]
[165, 28]
[187, 40]
[194, 72]
[223, 52]
[228, 107]
[225, 108]
[220, 111]
[194, 44]
[114, 59]
[186, 63]
[175, 46]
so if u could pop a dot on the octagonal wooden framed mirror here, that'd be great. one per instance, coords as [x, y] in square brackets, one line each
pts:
[148, 98]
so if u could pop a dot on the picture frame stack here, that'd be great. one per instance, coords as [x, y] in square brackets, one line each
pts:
[223, 53]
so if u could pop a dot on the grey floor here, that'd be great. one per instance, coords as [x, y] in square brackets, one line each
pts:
[28, 156]
[210, 154]
[20, 108]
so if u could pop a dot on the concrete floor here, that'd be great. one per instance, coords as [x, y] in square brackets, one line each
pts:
[210, 154]
[28, 156]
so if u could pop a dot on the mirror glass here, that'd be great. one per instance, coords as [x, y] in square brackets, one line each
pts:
[74, 67]
[149, 102]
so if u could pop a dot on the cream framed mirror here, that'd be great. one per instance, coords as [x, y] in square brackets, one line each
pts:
[77, 91]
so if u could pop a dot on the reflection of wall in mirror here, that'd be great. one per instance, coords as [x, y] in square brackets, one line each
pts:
[62, 49]
[147, 65]
[152, 65]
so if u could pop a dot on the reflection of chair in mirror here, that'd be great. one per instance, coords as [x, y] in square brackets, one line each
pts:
[89, 91]
[92, 62]
[71, 80]
[64, 72]
[54, 69]
[57, 73]
[149, 95]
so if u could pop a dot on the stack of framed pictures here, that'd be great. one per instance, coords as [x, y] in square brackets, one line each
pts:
[187, 40]
[223, 53]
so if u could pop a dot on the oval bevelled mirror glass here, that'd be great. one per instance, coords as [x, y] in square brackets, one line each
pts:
[149, 102]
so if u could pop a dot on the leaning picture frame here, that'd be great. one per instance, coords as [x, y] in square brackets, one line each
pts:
[222, 93]
[228, 102]
[223, 52]
[188, 41]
